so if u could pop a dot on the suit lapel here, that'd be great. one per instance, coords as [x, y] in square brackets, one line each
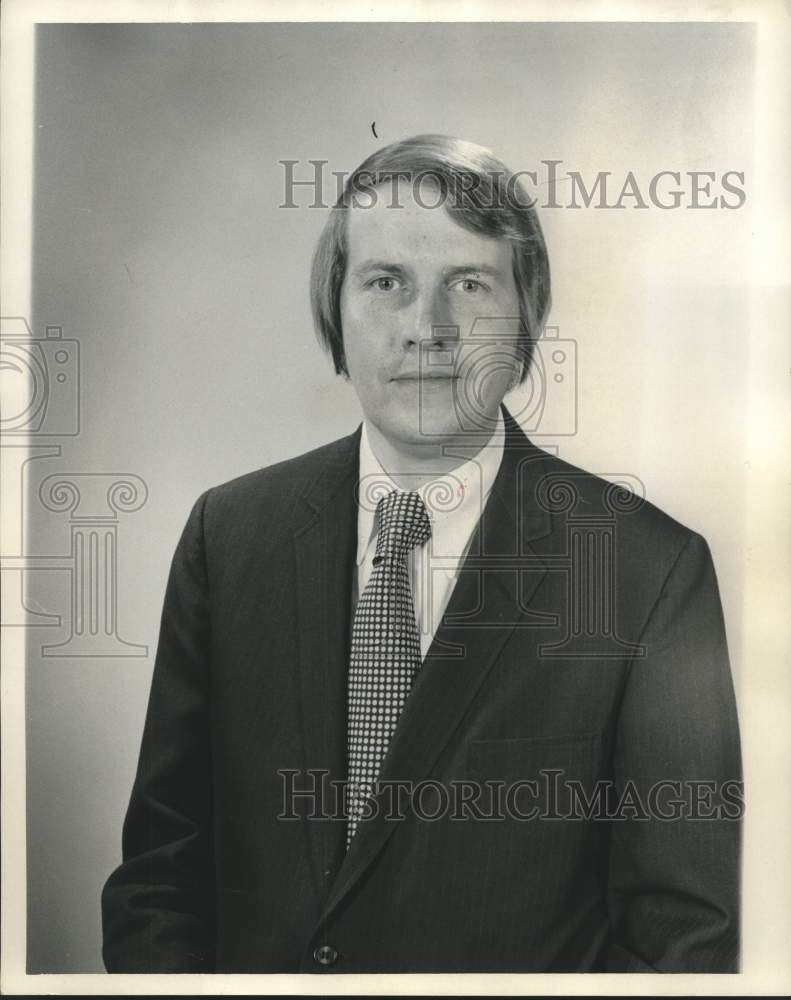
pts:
[325, 546]
[490, 597]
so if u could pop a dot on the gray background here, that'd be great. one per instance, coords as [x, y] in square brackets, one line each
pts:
[159, 245]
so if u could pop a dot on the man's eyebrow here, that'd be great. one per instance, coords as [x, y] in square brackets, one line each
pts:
[378, 264]
[391, 267]
[487, 269]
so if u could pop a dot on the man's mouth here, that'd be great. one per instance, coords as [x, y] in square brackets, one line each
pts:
[425, 378]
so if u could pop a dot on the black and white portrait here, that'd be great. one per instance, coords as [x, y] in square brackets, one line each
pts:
[393, 557]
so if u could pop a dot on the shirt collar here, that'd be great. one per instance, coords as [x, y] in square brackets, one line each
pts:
[454, 501]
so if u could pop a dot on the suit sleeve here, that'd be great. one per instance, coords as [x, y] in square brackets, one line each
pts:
[158, 905]
[674, 871]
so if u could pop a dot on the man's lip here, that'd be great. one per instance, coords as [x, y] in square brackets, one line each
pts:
[424, 378]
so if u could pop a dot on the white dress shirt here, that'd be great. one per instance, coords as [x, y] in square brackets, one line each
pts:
[454, 502]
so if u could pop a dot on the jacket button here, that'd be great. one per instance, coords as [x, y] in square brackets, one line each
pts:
[326, 954]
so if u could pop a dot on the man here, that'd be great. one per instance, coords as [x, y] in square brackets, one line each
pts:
[511, 675]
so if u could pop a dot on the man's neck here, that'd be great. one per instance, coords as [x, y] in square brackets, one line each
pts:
[411, 466]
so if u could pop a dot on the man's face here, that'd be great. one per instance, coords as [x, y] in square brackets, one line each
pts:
[412, 271]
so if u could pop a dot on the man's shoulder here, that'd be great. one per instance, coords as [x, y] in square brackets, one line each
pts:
[568, 489]
[283, 483]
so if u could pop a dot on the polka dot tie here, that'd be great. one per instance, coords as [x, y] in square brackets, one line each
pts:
[385, 646]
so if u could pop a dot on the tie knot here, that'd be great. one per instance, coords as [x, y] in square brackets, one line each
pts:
[403, 523]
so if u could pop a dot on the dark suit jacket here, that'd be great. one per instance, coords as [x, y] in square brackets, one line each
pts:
[584, 637]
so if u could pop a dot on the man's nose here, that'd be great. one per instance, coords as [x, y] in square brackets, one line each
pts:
[432, 321]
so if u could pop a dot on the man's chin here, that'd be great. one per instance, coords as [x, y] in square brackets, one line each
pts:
[462, 422]
[433, 429]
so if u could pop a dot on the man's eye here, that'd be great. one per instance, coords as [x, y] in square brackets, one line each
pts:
[469, 285]
[385, 284]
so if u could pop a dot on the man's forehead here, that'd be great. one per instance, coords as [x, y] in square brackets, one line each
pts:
[415, 220]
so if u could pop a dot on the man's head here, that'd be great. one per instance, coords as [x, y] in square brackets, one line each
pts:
[432, 244]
